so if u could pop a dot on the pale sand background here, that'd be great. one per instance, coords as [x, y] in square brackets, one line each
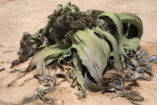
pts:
[18, 16]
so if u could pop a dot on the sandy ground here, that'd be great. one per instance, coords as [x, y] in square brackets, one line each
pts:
[18, 16]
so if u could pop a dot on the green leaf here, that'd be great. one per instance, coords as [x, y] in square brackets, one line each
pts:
[77, 71]
[119, 28]
[133, 41]
[131, 44]
[112, 40]
[116, 21]
[132, 19]
[93, 51]
[46, 56]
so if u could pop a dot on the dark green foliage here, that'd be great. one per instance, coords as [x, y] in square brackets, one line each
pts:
[83, 22]
[67, 20]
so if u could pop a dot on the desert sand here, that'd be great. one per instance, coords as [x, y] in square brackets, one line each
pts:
[18, 16]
